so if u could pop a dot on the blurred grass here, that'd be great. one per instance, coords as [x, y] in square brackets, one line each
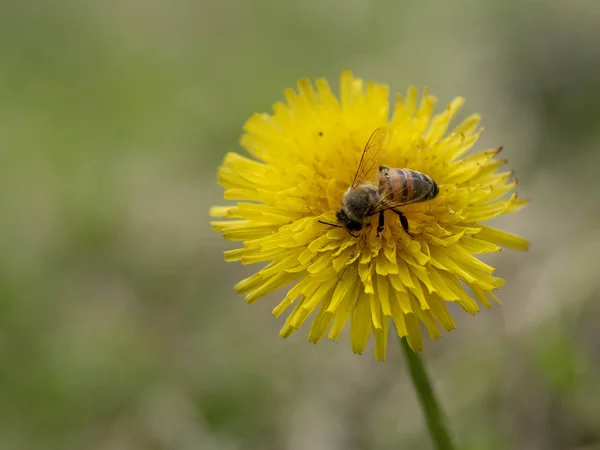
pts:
[119, 328]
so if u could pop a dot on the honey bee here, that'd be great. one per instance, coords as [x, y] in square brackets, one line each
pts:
[395, 188]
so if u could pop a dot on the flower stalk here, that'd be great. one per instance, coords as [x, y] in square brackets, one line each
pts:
[436, 421]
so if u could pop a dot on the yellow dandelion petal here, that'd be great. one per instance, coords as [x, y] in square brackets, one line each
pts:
[381, 341]
[361, 323]
[341, 264]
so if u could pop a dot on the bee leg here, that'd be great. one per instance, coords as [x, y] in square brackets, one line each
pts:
[403, 221]
[380, 223]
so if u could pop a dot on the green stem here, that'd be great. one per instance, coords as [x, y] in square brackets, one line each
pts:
[429, 402]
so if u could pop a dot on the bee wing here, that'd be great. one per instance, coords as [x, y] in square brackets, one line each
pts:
[389, 199]
[370, 156]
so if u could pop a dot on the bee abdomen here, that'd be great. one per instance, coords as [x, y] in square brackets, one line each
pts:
[407, 186]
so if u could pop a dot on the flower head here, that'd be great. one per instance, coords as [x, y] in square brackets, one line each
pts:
[305, 156]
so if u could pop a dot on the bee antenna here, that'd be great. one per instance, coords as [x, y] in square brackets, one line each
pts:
[330, 224]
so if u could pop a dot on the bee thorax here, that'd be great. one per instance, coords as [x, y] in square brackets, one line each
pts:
[358, 202]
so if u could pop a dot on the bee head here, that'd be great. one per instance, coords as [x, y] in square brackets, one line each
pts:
[345, 220]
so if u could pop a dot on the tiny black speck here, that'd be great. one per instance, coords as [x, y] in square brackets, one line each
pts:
[320, 133]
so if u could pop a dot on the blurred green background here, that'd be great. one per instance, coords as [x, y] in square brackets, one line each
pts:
[119, 327]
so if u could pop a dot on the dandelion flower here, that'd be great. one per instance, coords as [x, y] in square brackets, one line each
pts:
[304, 156]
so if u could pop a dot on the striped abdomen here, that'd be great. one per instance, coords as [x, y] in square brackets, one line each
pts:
[404, 186]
